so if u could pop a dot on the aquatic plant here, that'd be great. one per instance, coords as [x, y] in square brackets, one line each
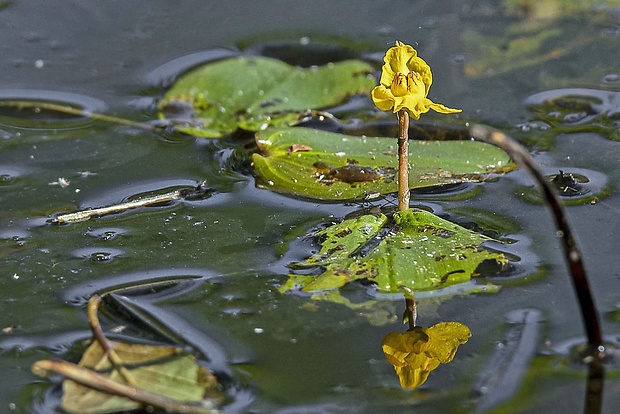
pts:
[404, 85]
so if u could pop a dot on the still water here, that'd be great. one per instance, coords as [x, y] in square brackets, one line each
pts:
[226, 253]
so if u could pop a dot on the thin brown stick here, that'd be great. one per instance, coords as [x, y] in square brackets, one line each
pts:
[403, 160]
[93, 307]
[571, 251]
[117, 208]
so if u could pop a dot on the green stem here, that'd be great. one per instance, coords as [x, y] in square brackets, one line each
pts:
[403, 160]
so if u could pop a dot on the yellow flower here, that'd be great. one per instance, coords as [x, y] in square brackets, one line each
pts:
[405, 81]
[417, 352]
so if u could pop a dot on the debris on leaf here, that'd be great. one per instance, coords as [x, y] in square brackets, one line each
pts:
[298, 147]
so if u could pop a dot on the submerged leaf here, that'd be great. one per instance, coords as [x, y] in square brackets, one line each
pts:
[418, 250]
[161, 370]
[336, 166]
[114, 376]
[255, 92]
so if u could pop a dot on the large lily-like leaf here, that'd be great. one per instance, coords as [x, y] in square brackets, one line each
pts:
[255, 92]
[417, 250]
[330, 166]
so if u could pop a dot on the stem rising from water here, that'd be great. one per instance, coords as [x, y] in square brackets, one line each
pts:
[403, 160]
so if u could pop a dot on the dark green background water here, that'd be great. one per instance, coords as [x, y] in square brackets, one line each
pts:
[313, 356]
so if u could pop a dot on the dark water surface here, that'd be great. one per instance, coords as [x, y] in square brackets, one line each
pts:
[220, 258]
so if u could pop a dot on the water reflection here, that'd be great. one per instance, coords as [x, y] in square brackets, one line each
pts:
[418, 351]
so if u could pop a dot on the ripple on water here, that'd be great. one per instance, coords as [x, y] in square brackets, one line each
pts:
[574, 186]
[448, 192]
[304, 52]
[16, 109]
[578, 109]
[575, 351]
[9, 176]
[164, 75]
[612, 79]
[98, 254]
[107, 233]
[137, 295]
[502, 375]
[80, 293]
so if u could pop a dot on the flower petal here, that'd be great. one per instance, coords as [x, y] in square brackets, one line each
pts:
[387, 76]
[396, 59]
[441, 108]
[410, 377]
[394, 349]
[419, 65]
[445, 338]
[415, 105]
[405, 82]
[382, 97]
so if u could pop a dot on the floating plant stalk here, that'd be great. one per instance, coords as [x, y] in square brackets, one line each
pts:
[66, 109]
[93, 308]
[200, 191]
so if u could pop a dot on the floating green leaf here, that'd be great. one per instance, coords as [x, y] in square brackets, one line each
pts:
[331, 166]
[255, 92]
[417, 250]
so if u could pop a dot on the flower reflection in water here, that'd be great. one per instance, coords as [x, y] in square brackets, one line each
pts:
[417, 352]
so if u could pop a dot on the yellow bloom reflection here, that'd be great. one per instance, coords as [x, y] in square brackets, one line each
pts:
[405, 81]
[418, 351]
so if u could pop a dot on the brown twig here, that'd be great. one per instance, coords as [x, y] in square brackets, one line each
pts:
[93, 307]
[96, 212]
[403, 160]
